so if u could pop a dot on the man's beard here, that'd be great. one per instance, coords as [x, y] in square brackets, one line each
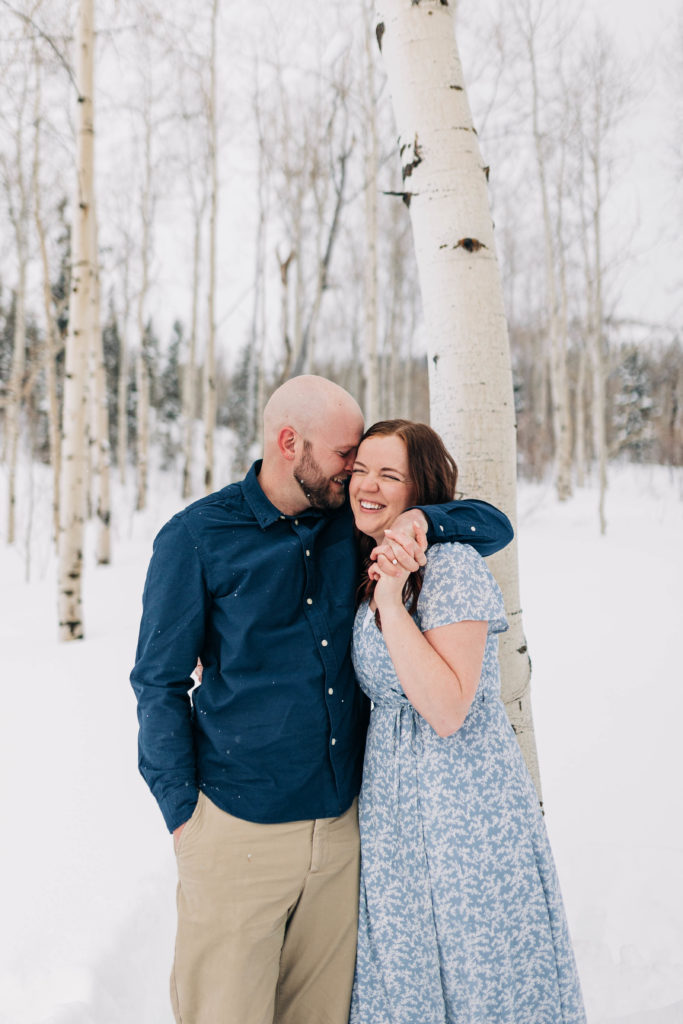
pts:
[320, 491]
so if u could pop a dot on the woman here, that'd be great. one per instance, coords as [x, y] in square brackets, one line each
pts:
[461, 918]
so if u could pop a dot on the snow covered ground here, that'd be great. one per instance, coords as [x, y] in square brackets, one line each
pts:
[87, 866]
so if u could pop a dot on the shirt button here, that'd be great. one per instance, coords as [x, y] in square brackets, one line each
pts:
[296, 522]
[333, 741]
[282, 517]
[309, 600]
[324, 643]
[441, 528]
[307, 551]
[330, 691]
[473, 528]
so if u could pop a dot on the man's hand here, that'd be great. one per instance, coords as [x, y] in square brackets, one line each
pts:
[176, 833]
[404, 545]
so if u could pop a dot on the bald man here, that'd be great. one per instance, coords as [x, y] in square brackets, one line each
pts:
[257, 771]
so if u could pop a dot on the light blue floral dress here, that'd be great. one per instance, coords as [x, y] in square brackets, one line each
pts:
[461, 918]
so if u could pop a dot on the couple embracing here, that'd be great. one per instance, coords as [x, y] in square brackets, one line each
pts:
[342, 559]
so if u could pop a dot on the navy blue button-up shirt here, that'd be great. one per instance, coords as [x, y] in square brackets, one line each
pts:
[275, 732]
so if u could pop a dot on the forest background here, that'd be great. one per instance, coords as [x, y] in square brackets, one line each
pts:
[236, 160]
[239, 156]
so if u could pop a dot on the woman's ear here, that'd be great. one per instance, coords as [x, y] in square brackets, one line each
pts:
[287, 442]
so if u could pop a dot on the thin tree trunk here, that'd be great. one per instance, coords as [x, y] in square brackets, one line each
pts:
[594, 325]
[14, 391]
[284, 314]
[189, 376]
[50, 343]
[599, 375]
[122, 382]
[73, 494]
[255, 365]
[558, 365]
[372, 394]
[210, 354]
[100, 422]
[19, 213]
[141, 364]
[580, 417]
[472, 403]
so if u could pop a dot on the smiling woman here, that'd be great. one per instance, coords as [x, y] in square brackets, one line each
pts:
[381, 487]
[460, 913]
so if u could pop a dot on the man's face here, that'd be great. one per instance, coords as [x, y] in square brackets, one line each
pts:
[324, 469]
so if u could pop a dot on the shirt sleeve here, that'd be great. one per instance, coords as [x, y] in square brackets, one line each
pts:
[457, 586]
[470, 521]
[171, 636]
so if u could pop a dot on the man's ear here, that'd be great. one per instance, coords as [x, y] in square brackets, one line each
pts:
[287, 443]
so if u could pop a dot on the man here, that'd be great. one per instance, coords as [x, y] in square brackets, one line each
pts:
[257, 776]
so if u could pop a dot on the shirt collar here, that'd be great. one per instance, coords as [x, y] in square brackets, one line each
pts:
[265, 512]
[263, 509]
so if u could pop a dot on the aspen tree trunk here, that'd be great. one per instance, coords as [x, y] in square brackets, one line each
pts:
[469, 359]
[255, 368]
[189, 381]
[18, 204]
[592, 257]
[372, 395]
[210, 354]
[299, 290]
[100, 420]
[284, 314]
[580, 418]
[50, 343]
[597, 356]
[14, 391]
[557, 328]
[73, 494]
[122, 382]
[604, 111]
[141, 365]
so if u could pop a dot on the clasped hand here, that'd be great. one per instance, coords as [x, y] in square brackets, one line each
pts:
[401, 552]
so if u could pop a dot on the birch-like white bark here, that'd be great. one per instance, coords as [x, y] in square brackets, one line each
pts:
[100, 420]
[580, 417]
[14, 390]
[141, 365]
[18, 205]
[189, 374]
[469, 359]
[210, 354]
[50, 341]
[596, 346]
[258, 326]
[372, 396]
[122, 382]
[556, 323]
[73, 490]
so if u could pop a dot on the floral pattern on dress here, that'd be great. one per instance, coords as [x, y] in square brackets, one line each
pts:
[461, 918]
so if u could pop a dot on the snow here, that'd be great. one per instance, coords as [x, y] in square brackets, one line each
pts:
[87, 866]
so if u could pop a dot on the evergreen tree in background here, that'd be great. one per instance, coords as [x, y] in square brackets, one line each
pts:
[111, 344]
[632, 405]
[167, 397]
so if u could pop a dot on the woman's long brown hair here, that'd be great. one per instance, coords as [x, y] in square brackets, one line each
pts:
[434, 476]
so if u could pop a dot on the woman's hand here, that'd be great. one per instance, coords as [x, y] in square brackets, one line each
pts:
[390, 579]
[404, 546]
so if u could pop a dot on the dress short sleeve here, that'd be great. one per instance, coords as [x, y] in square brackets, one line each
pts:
[458, 585]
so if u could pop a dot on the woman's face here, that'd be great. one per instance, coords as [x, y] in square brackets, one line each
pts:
[380, 487]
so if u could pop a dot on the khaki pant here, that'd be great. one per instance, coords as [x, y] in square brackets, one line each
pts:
[267, 919]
